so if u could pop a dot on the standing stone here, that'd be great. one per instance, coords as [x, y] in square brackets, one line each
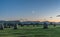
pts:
[15, 26]
[51, 23]
[5, 25]
[1, 26]
[33, 25]
[54, 25]
[37, 25]
[45, 26]
[22, 25]
[9, 25]
[27, 25]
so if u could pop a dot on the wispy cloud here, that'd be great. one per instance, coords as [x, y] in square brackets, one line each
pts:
[58, 16]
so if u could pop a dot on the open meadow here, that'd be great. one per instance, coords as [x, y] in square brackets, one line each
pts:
[31, 31]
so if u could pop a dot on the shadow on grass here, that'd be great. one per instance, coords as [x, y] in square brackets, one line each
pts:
[33, 36]
[40, 35]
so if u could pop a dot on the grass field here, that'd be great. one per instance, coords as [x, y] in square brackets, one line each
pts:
[31, 31]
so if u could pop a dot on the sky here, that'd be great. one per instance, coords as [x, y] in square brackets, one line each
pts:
[32, 10]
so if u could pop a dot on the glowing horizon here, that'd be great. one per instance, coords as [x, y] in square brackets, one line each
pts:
[36, 19]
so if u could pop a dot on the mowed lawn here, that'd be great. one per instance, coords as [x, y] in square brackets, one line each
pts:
[31, 31]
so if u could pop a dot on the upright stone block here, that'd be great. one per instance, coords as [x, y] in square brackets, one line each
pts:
[22, 25]
[1, 26]
[54, 25]
[5, 25]
[45, 26]
[15, 26]
[33, 25]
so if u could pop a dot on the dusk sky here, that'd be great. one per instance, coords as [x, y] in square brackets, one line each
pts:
[37, 10]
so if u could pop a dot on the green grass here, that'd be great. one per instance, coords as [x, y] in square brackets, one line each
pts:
[31, 32]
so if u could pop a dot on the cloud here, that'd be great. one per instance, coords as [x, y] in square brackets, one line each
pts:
[58, 16]
[51, 17]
